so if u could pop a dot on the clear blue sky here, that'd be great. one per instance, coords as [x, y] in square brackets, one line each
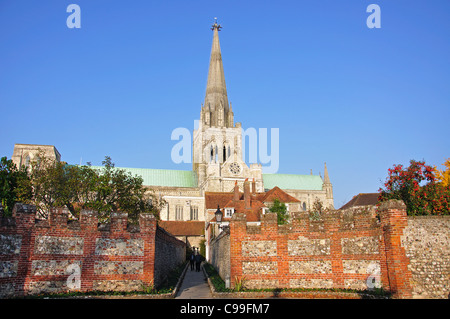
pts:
[359, 99]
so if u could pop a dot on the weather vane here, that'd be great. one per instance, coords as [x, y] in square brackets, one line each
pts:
[215, 25]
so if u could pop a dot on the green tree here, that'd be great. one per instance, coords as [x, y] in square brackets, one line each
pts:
[82, 181]
[281, 210]
[52, 183]
[14, 185]
[57, 184]
[117, 190]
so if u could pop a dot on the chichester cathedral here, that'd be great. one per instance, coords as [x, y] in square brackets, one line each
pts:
[218, 170]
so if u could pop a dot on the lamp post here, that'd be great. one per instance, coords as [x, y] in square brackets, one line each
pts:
[219, 216]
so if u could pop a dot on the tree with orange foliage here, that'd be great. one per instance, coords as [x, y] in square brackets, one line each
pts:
[443, 176]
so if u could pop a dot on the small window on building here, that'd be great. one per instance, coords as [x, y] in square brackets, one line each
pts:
[179, 212]
[304, 206]
[27, 161]
[194, 212]
[229, 212]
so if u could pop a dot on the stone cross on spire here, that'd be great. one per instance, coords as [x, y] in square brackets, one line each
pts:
[216, 26]
[216, 100]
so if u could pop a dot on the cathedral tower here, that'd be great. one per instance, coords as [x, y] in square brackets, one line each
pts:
[217, 149]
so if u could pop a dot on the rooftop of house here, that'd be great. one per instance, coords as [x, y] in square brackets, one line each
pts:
[183, 228]
[214, 199]
[250, 202]
[362, 199]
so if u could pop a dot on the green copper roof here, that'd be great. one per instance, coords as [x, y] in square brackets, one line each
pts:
[162, 177]
[291, 181]
[177, 178]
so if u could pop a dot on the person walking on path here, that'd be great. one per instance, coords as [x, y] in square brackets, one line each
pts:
[198, 260]
[192, 261]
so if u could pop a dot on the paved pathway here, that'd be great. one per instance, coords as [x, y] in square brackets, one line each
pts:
[194, 286]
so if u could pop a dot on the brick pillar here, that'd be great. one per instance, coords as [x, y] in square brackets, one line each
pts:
[89, 227]
[58, 217]
[238, 229]
[393, 221]
[147, 226]
[147, 223]
[88, 220]
[269, 224]
[119, 222]
[25, 216]
[332, 224]
[300, 222]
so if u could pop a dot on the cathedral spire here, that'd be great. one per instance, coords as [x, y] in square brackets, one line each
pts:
[326, 178]
[216, 90]
[328, 188]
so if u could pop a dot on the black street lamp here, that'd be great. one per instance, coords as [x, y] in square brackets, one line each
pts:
[219, 215]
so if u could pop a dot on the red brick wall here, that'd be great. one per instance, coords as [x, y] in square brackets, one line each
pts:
[113, 258]
[394, 221]
[333, 252]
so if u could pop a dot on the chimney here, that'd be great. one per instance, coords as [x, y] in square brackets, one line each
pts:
[236, 192]
[247, 194]
[253, 188]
